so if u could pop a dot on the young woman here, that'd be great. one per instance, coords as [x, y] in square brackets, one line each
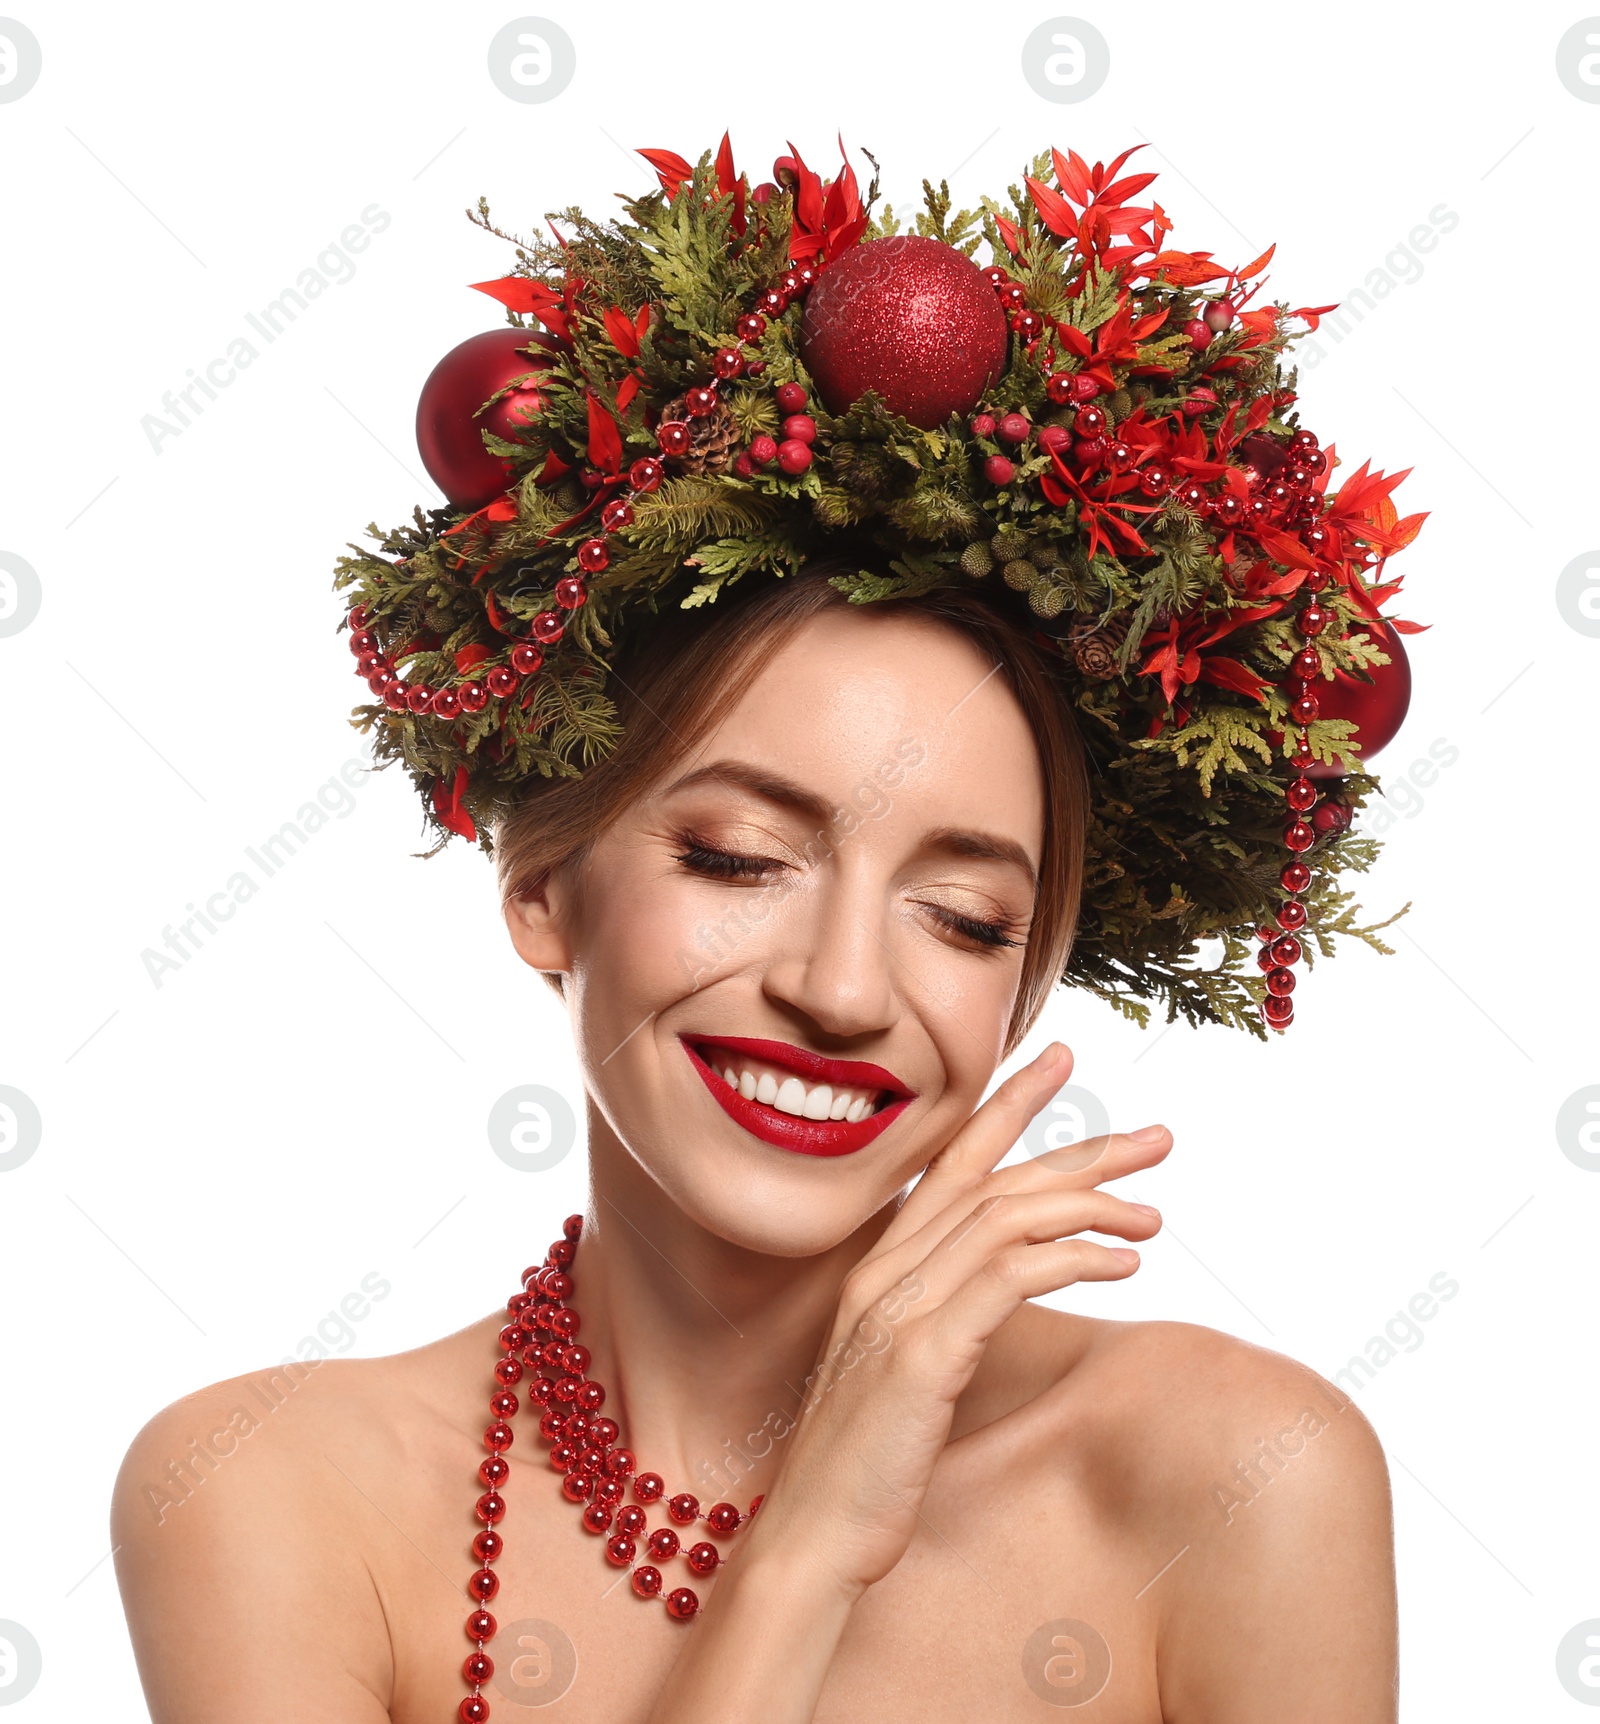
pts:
[839, 848]
[839, 644]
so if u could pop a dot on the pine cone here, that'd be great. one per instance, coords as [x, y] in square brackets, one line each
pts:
[1094, 650]
[1020, 574]
[714, 438]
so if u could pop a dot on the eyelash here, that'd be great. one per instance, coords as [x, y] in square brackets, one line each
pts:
[702, 858]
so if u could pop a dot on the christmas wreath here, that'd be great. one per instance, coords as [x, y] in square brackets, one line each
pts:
[1095, 428]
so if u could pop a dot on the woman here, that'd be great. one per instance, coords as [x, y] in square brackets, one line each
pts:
[801, 899]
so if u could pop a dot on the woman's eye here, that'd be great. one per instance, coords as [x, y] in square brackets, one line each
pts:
[992, 934]
[725, 864]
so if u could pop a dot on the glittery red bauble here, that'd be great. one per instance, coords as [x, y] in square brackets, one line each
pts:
[1378, 707]
[908, 317]
[450, 439]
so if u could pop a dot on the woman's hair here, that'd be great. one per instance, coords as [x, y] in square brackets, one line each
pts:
[687, 671]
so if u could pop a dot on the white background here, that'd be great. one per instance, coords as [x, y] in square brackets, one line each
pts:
[304, 1102]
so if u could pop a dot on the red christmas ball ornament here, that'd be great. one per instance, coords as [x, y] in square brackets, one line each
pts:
[909, 318]
[1378, 707]
[450, 438]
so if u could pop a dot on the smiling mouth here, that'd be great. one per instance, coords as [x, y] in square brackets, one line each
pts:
[795, 1099]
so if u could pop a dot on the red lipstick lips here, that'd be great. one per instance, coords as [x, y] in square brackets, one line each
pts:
[789, 1131]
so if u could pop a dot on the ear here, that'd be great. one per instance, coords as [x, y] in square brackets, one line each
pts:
[538, 925]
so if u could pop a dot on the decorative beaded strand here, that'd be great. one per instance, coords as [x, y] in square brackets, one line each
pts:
[583, 1448]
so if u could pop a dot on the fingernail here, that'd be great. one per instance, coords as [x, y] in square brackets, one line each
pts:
[1126, 1256]
[1145, 1209]
[1147, 1133]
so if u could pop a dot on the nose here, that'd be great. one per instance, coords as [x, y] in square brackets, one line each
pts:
[832, 963]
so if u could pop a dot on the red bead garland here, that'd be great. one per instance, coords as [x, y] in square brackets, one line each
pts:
[584, 1449]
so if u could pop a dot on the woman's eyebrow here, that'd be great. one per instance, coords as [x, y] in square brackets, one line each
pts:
[759, 781]
[774, 787]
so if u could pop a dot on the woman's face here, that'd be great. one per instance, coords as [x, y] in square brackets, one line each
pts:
[791, 965]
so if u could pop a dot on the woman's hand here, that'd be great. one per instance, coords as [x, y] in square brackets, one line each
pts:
[966, 1248]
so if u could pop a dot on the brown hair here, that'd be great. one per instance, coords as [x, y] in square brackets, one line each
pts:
[688, 669]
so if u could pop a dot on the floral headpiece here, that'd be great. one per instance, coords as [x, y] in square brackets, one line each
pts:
[1093, 428]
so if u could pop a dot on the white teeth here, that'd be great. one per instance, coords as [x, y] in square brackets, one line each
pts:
[818, 1102]
[791, 1096]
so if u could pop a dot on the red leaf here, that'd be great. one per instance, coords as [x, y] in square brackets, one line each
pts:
[671, 169]
[1259, 264]
[623, 332]
[1053, 209]
[1072, 175]
[448, 807]
[1122, 190]
[725, 174]
[1008, 232]
[627, 389]
[1406, 628]
[1075, 339]
[1229, 673]
[605, 441]
[469, 656]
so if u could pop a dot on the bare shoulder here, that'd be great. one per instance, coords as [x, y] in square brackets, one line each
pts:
[1265, 1491]
[235, 1521]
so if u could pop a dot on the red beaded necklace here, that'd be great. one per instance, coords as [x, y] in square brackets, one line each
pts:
[583, 1447]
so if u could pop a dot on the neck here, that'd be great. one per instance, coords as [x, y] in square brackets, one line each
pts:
[704, 1347]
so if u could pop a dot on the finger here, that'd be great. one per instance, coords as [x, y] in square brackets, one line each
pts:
[1002, 1223]
[1092, 1162]
[1008, 1280]
[990, 1132]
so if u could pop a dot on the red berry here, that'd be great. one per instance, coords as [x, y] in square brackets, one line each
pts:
[793, 455]
[1012, 428]
[1218, 314]
[791, 397]
[982, 424]
[763, 450]
[1084, 387]
[1089, 451]
[998, 470]
[742, 465]
[800, 426]
[1054, 437]
[1199, 333]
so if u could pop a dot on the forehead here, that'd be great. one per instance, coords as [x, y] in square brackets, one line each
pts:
[859, 698]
